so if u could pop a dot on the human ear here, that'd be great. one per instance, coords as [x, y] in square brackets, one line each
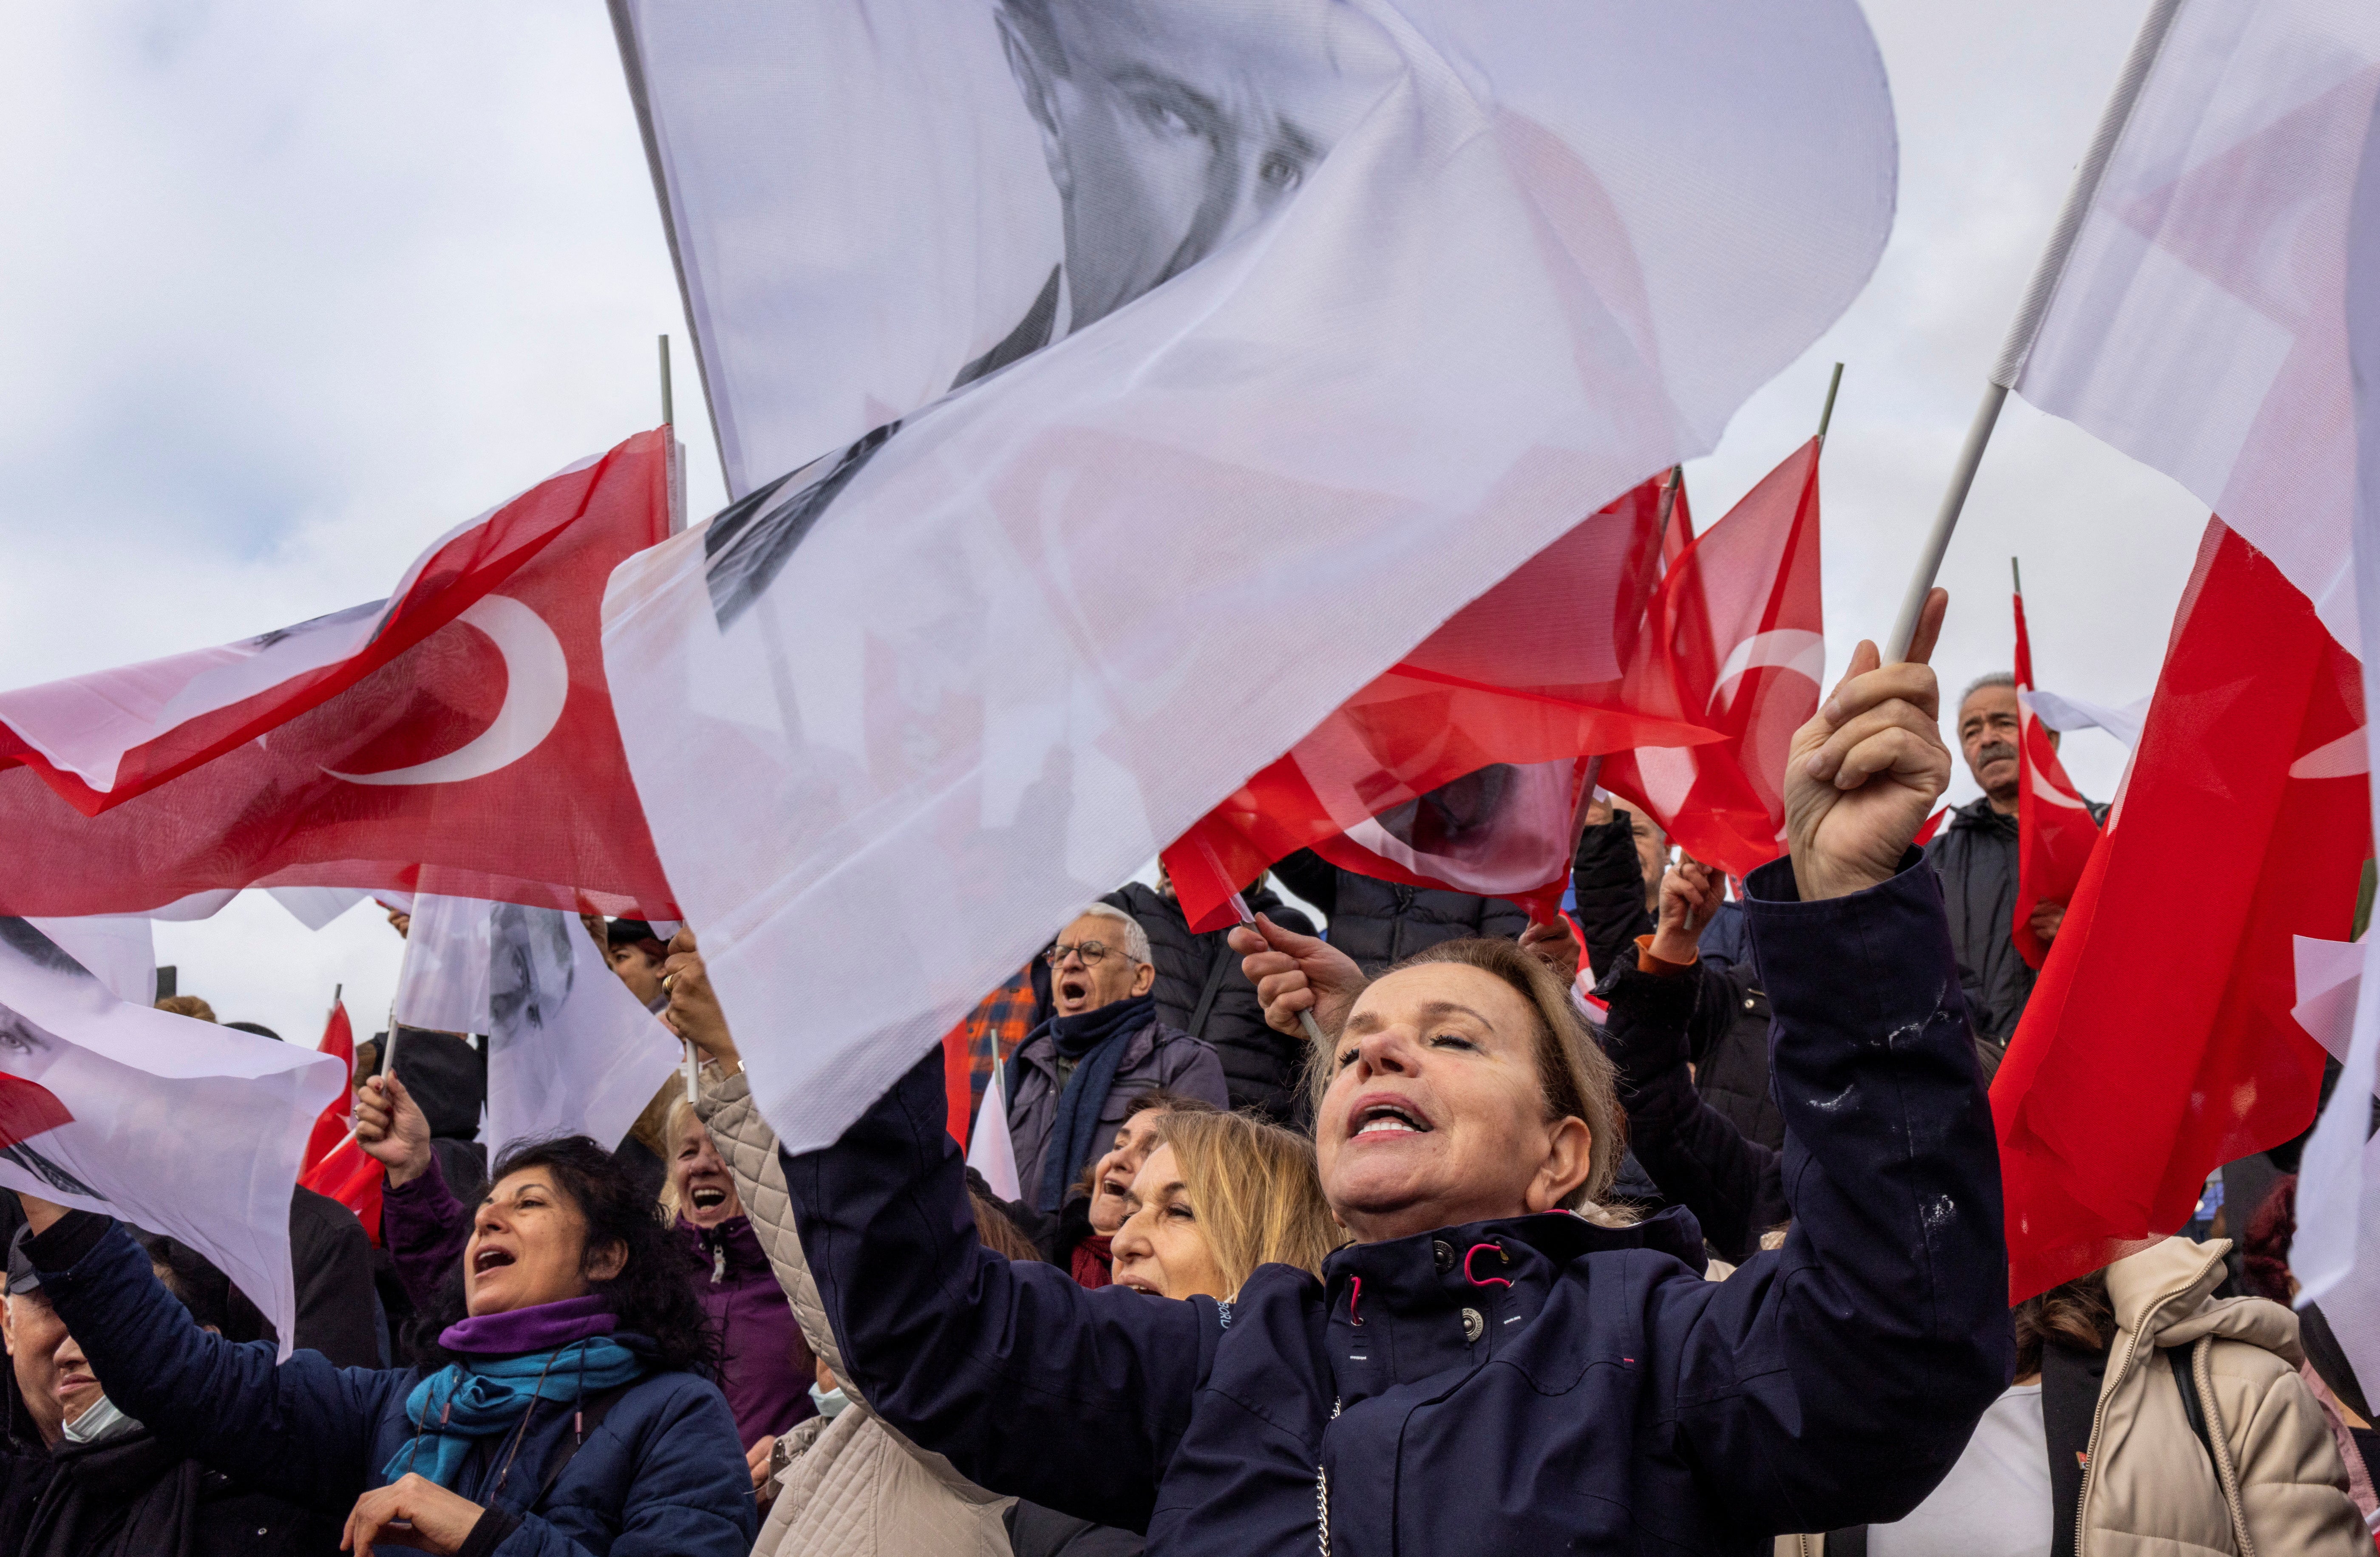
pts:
[607, 1263]
[8, 1326]
[1144, 977]
[1570, 1154]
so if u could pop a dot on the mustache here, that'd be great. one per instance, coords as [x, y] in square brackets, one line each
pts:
[1995, 752]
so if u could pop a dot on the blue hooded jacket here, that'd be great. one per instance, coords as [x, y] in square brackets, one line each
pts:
[1539, 1383]
[662, 1475]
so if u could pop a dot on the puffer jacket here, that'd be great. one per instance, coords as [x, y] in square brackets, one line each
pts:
[1527, 1383]
[1154, 1057]
[859, 1489]
[1201, 991]
[1975, 855]
[1382, 923]
[2263, 1477]
[661, 1475]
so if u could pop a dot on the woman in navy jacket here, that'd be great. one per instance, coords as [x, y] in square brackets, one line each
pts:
[1484, 1369]
[567, 1420]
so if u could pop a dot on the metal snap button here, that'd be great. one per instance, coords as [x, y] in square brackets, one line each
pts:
[1443, 1252]
[1474, 1326]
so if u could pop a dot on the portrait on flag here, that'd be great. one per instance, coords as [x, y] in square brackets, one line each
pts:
[1138, 330]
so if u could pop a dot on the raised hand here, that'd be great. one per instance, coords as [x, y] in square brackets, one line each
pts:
[391, 1128]
[1865, 774]
[1294, 973]
[1555, 947]
[694, 1012]
[1691, 894]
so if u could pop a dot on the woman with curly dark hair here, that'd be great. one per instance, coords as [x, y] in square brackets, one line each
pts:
[566, 1412]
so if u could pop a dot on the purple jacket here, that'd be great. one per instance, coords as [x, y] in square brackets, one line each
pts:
[765, 1369]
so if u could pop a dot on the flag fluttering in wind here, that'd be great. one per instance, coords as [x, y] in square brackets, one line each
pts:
[2192, 311]
[334, 1163]
[338, 1117]
[2055, 827]
[570, 1050]
[1081, 468]
[1734, 642]
[2158, 1043]
[1459, 767]
[176, 1126]
[464, 724]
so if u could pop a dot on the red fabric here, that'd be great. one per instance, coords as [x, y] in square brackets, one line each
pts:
[2158, 1042]
[1735, 643]
[1000, 1021]
[1532, 672]
[28, 1108]
[1933, 825]
[958, 1090]
[338, 1118]
[2054, 832]
[1091, 1264]
[560, 826]
[354, 1178]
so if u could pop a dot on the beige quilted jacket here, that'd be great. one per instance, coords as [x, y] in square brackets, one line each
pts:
[860, 1489]
[2278, 1487]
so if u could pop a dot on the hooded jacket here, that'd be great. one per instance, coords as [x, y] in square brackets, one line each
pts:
[1382, 923]
[858, 1488]
[662, 1473]
[2257, 1473]
[1200, 990]
[1533, 1383]
[1156, 1056]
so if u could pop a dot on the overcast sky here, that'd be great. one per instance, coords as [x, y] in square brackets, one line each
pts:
[287, 290]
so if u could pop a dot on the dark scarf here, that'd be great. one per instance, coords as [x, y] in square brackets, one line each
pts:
[1095, 1042]
[1092, 1265]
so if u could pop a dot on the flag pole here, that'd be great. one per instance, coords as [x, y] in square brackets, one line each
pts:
[1828, 416]
[2026, 328]
[669, 406]
[1669, 501]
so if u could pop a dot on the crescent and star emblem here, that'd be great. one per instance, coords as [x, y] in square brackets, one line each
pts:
[537, 685]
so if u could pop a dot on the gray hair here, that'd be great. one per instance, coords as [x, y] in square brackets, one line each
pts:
[1989, 678]
[1136, 939]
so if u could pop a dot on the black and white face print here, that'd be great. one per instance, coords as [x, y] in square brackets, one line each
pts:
[530, 967]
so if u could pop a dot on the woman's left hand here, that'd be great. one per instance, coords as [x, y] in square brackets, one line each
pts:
[415, 1513]
[1555, 947]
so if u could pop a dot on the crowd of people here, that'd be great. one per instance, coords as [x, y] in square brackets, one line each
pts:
[1672, 1225]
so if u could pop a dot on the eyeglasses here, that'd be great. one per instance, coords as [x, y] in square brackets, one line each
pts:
[1090, 951]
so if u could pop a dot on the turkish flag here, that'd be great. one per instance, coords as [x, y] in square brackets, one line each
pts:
[1459, 766]
[353, 1177]
[464, 726]
[336, 1121]
[2054, 824]
[1735, 642]
[2158, 1042]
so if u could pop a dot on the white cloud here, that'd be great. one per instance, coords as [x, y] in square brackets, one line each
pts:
[287, 289]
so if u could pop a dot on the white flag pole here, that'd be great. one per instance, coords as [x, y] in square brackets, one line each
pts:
[2026, 327]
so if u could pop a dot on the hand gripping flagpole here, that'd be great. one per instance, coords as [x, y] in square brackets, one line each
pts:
[2026, 327]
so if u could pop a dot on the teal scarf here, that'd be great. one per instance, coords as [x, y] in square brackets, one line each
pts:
[465, 1402]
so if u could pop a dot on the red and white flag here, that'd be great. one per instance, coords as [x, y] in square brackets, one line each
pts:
[464, 724]
[176, 1125]
[334, 1163]
[1734, 642]
[1460, 766]
[2055, 827]
[2158, 1043]
[338, 1117]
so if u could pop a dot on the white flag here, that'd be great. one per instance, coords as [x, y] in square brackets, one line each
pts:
[178, 1127]
[442, 983]
[570, 1050]
[991, 1152]
[1111, 390]
[119, 950]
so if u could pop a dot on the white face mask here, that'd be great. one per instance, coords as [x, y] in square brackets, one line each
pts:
[101, 1422]
[830, 1402]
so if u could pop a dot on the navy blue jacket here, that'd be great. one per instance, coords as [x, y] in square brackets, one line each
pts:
[662, 1473]
[1607, 1399]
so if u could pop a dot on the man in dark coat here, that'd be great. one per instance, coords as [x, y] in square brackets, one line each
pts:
[1382, 923]
[1975, 855]
[1200, 990]
[1071, 1083]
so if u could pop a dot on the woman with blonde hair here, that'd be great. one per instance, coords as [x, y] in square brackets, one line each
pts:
[1222, 1195]
[1488, 1365]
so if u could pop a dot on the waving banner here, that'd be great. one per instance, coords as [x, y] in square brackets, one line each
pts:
[1111, 390]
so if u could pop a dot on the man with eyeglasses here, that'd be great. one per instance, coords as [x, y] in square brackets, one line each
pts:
[1071, 1082]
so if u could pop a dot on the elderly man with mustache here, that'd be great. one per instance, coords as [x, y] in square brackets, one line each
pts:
[1975, 855]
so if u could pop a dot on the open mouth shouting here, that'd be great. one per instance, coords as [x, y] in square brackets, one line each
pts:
[1073, 991]
[708, 1197]
[1386, 1115]
[491, 1258]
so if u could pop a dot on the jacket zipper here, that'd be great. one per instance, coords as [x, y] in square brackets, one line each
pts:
[2108, 1387]
[2202, 1380]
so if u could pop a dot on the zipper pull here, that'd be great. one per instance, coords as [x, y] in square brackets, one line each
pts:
[717, 1264]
